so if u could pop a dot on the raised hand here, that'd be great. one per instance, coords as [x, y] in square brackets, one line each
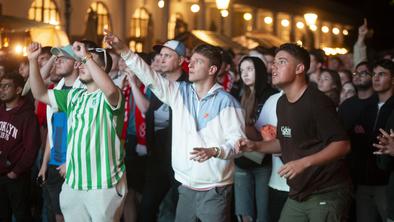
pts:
[114, 42]
[385, 144]
[363, 29]
[79, 49]
[33, 51]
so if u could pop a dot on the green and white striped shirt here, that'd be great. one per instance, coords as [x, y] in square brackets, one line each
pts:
[94, 151]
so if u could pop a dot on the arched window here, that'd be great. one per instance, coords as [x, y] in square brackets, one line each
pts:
[103, 20]
[139, 29]
[44, 11]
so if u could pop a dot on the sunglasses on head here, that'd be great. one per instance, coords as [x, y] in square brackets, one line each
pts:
[100, 50]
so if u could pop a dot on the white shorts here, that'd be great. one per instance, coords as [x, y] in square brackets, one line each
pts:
[104, 205]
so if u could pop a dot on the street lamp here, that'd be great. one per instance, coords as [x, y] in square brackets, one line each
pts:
[247, 16]
[310, 18]
[285, 23]
[222, 5]
[195, 8]
[268, 20]
[335, 31]
[161, 3]
[224, 13]
[300, 25]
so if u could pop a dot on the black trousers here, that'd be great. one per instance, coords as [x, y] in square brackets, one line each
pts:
[276, 202]
[14, 198]
[158, 180]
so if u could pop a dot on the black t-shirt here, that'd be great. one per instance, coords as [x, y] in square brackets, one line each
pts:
[306, 127]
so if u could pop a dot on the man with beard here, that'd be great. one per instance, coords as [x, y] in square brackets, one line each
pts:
[95, 182]
[53, 164]
[349, 110]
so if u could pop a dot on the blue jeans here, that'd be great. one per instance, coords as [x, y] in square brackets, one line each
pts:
[251, 193]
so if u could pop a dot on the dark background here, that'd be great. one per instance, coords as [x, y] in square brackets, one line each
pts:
[380, 16]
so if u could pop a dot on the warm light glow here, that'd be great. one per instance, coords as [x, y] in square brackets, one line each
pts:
[325, 29]
[53, 22]
[313, 27]
[224, 13]
[310, 18]
[161, 3]
[248, 16]
[222, 4]
[285, 23]
[300, 25]
[195, 8]
[334, 51]
[335, 31]
[345, 32]
[299, 42]
[18, 49]
[268, 20]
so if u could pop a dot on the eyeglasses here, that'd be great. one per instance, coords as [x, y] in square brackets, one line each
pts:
[6, 86]
[100, 50]
[362, 74]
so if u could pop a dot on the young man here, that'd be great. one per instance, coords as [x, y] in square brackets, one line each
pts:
[19, 142]
[311, 140]
[158, 118]
[316, 65]
[54, 159]
[95, 184]
[370, 181]
[207, 122]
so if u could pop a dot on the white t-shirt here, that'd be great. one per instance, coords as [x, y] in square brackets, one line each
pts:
[268, 116]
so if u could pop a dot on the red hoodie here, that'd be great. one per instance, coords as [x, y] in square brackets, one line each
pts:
[19, 138]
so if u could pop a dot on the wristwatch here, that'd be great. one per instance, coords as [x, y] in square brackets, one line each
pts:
[217, 152]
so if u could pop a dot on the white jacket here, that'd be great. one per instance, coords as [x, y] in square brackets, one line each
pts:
[216, 120]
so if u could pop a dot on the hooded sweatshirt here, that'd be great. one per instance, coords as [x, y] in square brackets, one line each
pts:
[19, 138]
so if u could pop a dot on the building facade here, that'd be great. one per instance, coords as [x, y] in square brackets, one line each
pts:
[146, 22]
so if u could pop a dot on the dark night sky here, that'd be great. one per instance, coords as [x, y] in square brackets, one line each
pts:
[380, 15]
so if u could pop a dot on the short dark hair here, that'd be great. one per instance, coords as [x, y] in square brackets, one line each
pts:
[364, 63]
[318, 54]
[297, 52]
[46, 50]
[386, 64]
[92, 45]
[15, 77]
[212, 53]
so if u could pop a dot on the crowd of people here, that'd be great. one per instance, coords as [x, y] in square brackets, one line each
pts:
[273, 134]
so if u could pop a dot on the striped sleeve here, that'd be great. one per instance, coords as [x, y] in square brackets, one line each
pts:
[58, 99]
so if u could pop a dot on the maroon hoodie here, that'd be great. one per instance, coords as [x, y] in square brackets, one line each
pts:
[19, 138]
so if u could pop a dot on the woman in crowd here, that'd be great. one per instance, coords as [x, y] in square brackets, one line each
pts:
[252, 171]
[330, 84]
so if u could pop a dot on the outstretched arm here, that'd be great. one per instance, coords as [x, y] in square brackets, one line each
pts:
[160, 86]
[102, 79]
[140, 100]
[38, 87]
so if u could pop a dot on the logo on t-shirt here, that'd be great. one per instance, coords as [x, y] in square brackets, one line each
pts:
[286, 131]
